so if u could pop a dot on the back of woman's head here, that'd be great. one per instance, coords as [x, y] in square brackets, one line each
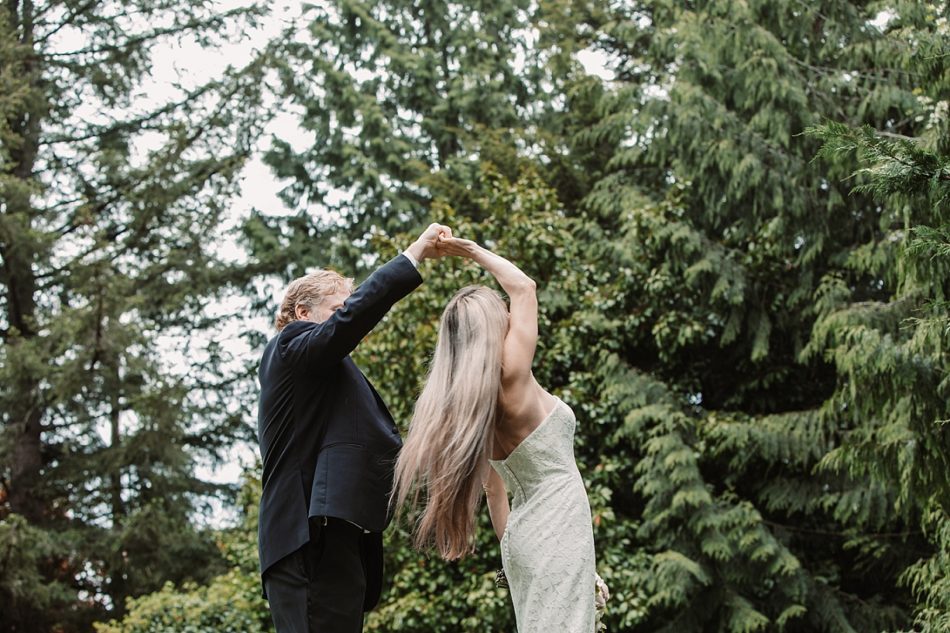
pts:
[446, 451]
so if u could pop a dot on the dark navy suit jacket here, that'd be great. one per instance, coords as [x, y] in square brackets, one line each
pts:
[327, 440]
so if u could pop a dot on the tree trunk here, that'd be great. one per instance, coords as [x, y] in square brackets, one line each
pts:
[17, 248]
[118, 507]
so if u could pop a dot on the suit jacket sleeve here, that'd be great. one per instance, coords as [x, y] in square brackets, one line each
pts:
[331, 341]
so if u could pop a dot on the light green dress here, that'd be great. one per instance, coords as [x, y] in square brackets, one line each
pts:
[547, 549]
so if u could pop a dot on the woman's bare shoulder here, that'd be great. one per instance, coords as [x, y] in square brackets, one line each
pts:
[523, 406]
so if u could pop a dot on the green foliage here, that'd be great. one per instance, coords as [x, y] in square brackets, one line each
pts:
[229, 603]
[929, 578]
[222, 606]
[392, 93]
[733, 268]
[24, 549]
[892, 353]
[108, 201]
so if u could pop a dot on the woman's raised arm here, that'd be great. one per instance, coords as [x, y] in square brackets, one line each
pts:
[522, 338]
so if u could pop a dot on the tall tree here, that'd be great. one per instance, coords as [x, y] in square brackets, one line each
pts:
[390, 94]
[733, 238]
[892, 353]
[110, 192]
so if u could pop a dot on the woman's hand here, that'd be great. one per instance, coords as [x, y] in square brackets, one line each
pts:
[457, 246]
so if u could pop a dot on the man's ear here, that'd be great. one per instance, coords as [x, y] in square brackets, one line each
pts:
[302, 312]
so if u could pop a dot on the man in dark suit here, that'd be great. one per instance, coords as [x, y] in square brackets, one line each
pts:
[328, 445]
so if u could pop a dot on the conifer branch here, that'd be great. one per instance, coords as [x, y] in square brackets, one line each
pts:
[806, 530]
[76, 12]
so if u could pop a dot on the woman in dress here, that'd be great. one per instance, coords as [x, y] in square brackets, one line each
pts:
[484, 422]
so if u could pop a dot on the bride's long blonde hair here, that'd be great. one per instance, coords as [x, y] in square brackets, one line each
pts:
[450, 436]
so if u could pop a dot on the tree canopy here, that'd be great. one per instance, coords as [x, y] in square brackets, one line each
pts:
[110, 189]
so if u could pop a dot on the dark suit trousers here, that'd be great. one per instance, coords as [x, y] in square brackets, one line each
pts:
[320, 588]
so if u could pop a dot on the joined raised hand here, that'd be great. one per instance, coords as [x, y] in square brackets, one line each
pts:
[427, 245]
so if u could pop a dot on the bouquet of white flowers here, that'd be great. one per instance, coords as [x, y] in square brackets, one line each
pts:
[601, 594]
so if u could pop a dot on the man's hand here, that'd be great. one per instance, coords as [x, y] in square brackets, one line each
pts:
[427, 245]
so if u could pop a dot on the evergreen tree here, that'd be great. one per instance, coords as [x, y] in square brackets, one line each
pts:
[892, 353]
[391, 92]
[732, 238]
[108, 200]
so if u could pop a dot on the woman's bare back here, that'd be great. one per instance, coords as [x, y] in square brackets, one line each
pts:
[522, 406]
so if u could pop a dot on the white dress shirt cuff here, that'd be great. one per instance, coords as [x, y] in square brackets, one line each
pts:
[412, 260]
